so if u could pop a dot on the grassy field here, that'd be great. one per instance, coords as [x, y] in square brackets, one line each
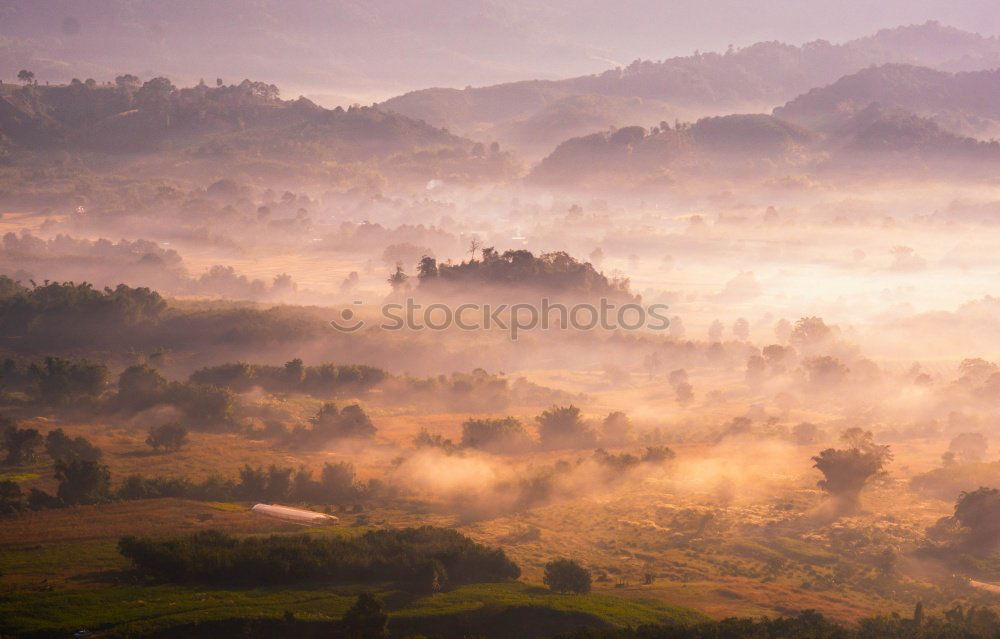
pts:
[726, 530]
[127, 609]
[62, 573]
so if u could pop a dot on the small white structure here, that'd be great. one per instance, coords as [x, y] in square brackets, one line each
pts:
[297, 515]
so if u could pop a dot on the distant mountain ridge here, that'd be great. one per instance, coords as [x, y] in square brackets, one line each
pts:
[967, 102]
[757, 77]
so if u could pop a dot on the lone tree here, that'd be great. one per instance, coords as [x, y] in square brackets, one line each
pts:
[398, 278]
[25, 76]
[169, 437]
[846, 471]
[366, 619]
[566, 575]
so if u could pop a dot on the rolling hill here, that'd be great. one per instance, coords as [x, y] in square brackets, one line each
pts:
[964, 102]
[755, 77]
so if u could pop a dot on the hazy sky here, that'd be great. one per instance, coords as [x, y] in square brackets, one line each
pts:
[378, 48]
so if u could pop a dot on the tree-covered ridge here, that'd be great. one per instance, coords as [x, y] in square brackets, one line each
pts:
[893, 138]
[554, 273]
[762, 73]
[245, 125]
[133, 115]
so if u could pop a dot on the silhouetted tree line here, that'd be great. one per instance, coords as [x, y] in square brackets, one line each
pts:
[558, 427]
[426, 558]
[325, 380]
[336, 484]
[84, 481]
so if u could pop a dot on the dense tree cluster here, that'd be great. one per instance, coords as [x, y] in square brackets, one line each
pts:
[552, 273]
[63, 314]
[413, 557]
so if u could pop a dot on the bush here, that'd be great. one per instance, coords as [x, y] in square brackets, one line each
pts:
[566, 575]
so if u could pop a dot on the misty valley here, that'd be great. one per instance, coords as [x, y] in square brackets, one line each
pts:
[705, 346]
